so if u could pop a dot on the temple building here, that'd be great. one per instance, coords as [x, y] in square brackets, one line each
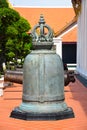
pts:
[57, 19]
[69, 39]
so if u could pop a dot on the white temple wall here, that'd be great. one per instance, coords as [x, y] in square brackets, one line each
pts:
[82, 41]
[58, 42]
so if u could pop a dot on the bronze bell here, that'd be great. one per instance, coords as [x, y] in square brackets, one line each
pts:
[43, 81]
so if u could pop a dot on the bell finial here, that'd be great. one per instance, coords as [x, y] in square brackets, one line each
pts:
[42, 40]
[41, 20]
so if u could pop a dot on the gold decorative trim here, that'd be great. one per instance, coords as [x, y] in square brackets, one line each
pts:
[77, 6]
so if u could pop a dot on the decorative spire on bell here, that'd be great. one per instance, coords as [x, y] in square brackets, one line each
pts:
[41, 20]
[42, 35]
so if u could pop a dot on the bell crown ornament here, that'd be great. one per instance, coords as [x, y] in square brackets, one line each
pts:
[42, 35]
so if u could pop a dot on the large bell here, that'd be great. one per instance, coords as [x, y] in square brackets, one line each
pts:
[43, 81]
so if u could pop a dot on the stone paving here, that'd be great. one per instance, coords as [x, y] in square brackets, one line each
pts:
[75, 96]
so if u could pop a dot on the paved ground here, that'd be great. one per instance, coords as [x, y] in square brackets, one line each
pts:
[75, 96]
[82, 79]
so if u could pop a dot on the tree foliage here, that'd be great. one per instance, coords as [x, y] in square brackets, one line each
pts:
[3, 3]
[18, 39]
[15, 42]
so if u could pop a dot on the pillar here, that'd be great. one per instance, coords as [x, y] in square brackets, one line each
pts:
[82, 41]
[58, 43]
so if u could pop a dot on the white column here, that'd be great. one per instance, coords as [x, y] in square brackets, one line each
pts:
[58, 43]
[82, 41]
[1, 86]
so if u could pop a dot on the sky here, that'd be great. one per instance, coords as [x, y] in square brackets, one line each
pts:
[42, 3]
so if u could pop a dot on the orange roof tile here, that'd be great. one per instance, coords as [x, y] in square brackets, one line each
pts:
[55, 17]
[69, 32]
[66, 27]
[70, 36]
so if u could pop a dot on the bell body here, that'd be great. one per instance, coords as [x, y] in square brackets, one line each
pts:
[43, 77]
[43, 84]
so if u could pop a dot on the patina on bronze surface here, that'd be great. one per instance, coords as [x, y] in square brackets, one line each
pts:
[42, 35]
[43, 81]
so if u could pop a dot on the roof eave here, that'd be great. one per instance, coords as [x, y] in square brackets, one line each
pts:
[72, 23]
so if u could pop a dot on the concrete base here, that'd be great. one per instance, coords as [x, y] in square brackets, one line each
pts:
[17, 113]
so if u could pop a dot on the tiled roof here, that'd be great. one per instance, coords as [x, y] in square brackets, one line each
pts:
[70, 36]
[56, 18]
[69, 32]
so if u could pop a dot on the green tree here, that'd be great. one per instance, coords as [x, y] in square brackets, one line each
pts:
[7, 18]
[3, 3]
[19, 41]
[15, 42]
